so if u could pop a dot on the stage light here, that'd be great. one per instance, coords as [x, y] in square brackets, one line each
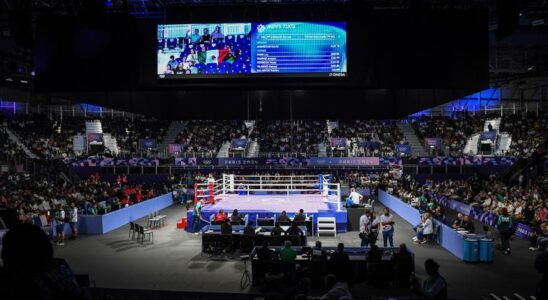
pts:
[9, 79]
[24, 81]
[538, 22]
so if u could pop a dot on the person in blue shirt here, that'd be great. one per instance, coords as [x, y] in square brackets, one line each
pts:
[195, 37]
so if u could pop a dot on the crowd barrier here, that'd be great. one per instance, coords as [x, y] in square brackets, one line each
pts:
[448, 237]
[101, 224]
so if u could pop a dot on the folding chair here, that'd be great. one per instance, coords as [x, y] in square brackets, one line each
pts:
[145, 232]
[131, 230]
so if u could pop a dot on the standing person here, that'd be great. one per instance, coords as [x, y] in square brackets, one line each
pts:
[374, 228]
[364, 229]
[196, 215]
[504, 225]
[73, 220]
[60, 227]
[387, 227]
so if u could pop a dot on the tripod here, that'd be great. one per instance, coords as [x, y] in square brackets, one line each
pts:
[245, 281]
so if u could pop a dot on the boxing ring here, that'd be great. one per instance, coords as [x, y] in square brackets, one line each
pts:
[264, 197]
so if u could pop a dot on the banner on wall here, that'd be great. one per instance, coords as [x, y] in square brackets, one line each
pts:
[523, 231]
[338, 142]
[240, 161]
[344, 161]
[488, 136]
[432, 142]
[238, 144]
[403, 149]
[466, 161]
[94, 137]
[185, 161]
[175, 148]
[94, 161]
[147, 144]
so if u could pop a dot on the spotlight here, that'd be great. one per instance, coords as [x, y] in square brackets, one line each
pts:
[9, 79]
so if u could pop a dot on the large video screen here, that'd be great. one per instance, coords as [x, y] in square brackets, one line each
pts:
[275, 49]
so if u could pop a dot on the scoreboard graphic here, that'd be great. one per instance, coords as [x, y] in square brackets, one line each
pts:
[272, 49]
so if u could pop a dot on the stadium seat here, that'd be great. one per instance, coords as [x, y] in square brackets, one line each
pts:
[211, 68]
[171, 43]
[224, 67]
[161, 43]
[200, 67]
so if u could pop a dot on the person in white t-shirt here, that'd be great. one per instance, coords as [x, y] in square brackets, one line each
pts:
[354, 197]
[364, 229]
[387, 224]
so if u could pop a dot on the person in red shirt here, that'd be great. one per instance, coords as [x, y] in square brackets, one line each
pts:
[220, 216]
[138, 197]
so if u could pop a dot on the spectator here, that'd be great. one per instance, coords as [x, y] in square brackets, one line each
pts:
[434, 286]
[387, 227]
[340, 263]
[336, 289]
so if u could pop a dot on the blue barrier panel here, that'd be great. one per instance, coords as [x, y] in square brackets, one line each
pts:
[449, 238]
[102, 224]
[404, 210]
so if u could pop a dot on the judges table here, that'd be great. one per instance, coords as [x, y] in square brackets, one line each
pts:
[212, 237]
[461, 244]
[357, 256]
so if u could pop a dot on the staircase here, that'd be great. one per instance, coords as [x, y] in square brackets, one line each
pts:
[94, 126]
[110, 143]
[494, 122]
[417, 146]
[471, 146]
[322, 150]
[504, 142]
[253, 149]
[171, 135]
[224, 150]
[79, 144]
[18, 142]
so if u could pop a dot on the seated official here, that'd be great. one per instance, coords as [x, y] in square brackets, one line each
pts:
[294, 230]
[283, 218]
[468, 224]
[220, 216]
[458, 222]
[277, 230]
[226, 228]
[340, 263]
[235, 217]
[288, 254]
[300, 217]
[249, 230]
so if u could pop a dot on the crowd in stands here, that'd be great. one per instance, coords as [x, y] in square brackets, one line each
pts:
[384, 132]
[453, 133]
[283, 136]
[10, 151]
[525, 202]
[207, 136]
[36, 195]
[528, 132]
[130, 130]
[47, 137]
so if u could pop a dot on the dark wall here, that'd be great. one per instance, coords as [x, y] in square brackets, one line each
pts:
[399, 61]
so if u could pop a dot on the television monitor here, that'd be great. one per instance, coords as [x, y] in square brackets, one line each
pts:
[259, 49]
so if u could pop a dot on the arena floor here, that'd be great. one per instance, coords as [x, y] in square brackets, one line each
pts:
[114, 261]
